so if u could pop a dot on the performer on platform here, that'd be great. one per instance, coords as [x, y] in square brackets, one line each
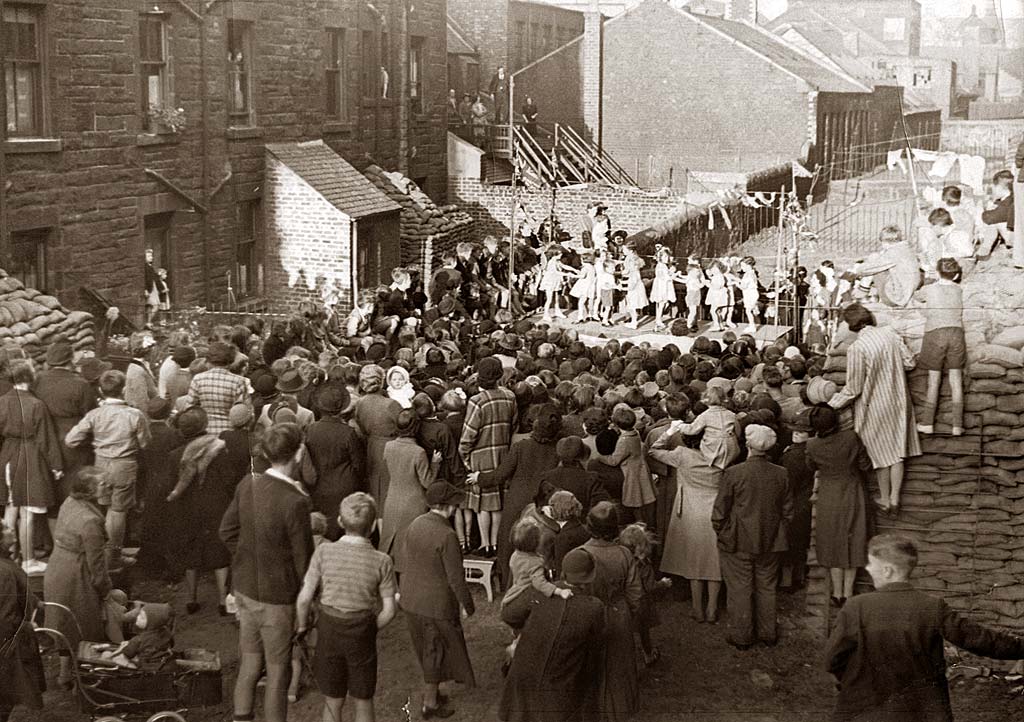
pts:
[750, 287]
[717, 298]
[555, 273]
[636, 294]
[695, 281]
[606, 286]
[585, 289]
[663, 292]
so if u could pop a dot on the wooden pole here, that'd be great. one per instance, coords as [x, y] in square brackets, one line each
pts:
[778, 248]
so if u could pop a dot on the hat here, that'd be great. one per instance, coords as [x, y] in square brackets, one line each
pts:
[291, 382]
[281, 414]
[650, 390]
[510, 342]
[221, 354]
[759, 438]
[60, 353]
[446, 306]
[489, 370]
[332, 400]
[820, 390]
[239, 416]
[578, 567]
[92, 368]
[192, 422]
[183, 356]
[701, 345]
[442, 493]
[571, 448]
[158, 409]
[265, 385]
[720, 383]
[743, 384]
[801, 421]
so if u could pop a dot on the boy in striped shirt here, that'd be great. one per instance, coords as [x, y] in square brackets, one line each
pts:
[357, 598]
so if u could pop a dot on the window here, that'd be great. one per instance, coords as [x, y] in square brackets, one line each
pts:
[249, 261]
[155, 90]
[535, 42]
[385, 65]
[335, 74]
[23, 70]
[28, 257]
[240, 61]
[157, 238]
[519, 44]
[416, 75]
[922, 77]
[549, 39]
[368, 65]
[894, 29]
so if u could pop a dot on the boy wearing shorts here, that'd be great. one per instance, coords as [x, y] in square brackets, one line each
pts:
[118, 433]
[886, 650]
[357, 598]
[943, 347]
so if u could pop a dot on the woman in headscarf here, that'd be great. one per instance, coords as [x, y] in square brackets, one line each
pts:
[202, 498]
[520, 473]
[617, 584]
[375, 416]
[338, 454]
[410, 472]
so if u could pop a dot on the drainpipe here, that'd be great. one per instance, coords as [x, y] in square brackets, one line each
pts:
[404, 86]
[4, 246]
[204, 227]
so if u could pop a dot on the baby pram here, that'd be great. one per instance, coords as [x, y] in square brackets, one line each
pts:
[162, 690]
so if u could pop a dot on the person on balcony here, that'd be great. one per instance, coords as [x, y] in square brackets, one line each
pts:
[530, 113]
[499, 94]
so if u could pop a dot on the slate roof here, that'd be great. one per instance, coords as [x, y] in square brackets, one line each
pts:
[784, 55]
[830, 43]
[331, 176]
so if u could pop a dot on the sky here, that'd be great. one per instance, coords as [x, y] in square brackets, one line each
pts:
[932, 8]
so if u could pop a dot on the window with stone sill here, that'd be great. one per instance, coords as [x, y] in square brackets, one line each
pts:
[416, 103]
[336, 75]
[249, 250]
[154, 87]
[368, 61]
[240, 70]
[28, 257]
[22, 38]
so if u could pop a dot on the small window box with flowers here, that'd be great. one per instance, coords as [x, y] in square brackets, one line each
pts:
[165, 120]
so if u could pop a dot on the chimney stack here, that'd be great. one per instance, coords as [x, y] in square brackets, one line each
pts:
[593, 71]
[741, 10]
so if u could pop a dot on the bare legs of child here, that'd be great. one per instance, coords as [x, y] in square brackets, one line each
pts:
[192, 584]
[716, 318]
[956, 387]
[634, 320]
[659, 312]
[700, 612]
[464, 527]
[549, 301]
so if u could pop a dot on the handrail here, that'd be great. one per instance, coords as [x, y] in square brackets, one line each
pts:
[612, 168]
[590, 162]
[527, 147]
[573, 162]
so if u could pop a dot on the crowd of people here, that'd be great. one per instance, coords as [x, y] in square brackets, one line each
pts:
[331, 471]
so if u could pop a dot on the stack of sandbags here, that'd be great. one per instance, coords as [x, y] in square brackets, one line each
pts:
[33, 320]
[427, 230]
[963, 498]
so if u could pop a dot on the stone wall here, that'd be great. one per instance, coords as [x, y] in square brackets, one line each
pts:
[87, 185]
[630, 209]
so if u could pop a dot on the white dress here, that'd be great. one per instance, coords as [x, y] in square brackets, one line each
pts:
[551, 281]
[586, 284]
[751, 294]
[718, 294]
[662, 290]
[636, 294]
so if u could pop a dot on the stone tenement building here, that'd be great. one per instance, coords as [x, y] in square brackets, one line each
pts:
[134, 125]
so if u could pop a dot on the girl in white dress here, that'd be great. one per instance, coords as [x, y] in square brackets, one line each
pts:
[662, 291]
[717, 298]
[636, 294]
[551, 282]
[751, 292]
[585, 290]
[606, 284]
[695, 281]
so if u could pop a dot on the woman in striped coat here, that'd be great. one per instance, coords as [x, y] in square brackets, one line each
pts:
[876, 381]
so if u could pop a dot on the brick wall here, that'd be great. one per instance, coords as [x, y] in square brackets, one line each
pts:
[309, 242]
[486, 24]
[88, 184]
[556, 86]
[490, 205]
[678, 95]
[593, 76]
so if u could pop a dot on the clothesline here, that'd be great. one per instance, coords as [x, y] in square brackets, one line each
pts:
[972, 167]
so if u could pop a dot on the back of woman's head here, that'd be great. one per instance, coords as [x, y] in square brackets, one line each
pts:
[714, 396]
[565, 506]
[546, 423]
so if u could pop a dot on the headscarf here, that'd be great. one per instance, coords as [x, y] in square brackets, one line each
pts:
[400, 388]
[371, 379]
[759, 438]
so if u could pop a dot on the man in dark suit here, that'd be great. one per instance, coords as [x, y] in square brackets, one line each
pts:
[68, 397]
[751, 512]
[267, 530]
[433, 594]
[886, 650]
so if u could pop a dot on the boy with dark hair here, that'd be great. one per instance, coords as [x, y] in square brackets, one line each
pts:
[118, 433]
[357, 598]
[944, 346]
[886, 650]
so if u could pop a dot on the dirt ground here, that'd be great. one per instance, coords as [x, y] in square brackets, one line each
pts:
[700, 677]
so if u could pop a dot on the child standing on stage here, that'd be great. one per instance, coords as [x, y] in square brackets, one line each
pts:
[636, 294]
[585, 289]
[662, 292]
[551, 282]
[717, 298]
[606, 286]
[751, 293]
[695, 281]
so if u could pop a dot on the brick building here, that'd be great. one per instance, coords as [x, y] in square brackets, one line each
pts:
[894, 23]
[98, 163]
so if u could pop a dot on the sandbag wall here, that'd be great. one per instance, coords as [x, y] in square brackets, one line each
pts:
[963, 499]
[33, 320]
[427, 230]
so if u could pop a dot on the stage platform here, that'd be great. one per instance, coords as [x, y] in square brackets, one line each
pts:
[594, 334]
